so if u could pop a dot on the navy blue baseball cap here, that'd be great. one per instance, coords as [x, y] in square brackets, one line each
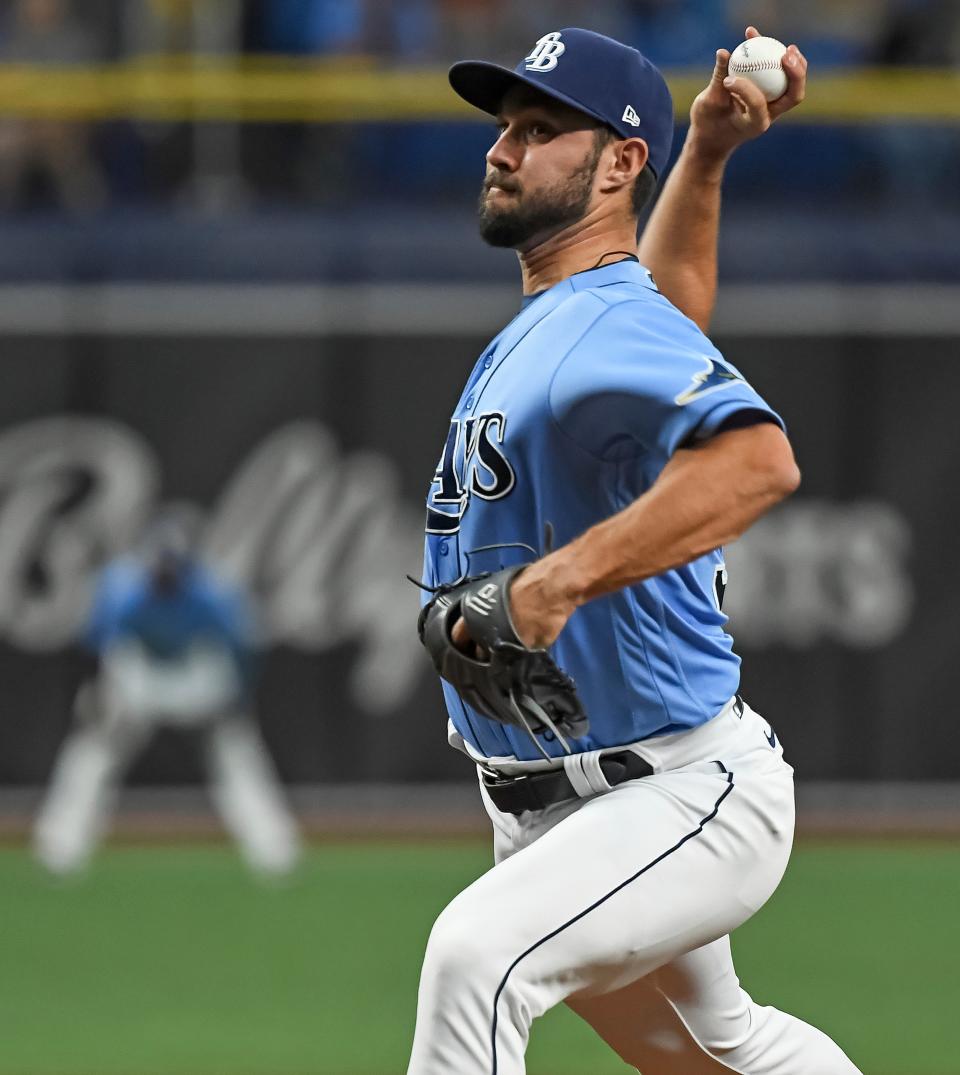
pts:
[610, 81]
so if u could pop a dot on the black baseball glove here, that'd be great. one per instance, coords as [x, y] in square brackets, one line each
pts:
[501, 677]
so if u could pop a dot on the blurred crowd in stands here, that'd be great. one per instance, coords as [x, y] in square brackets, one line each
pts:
[77, 167]
[671, 32]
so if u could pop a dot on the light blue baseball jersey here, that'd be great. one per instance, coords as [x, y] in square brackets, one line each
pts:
[201, 609]
[570, 414]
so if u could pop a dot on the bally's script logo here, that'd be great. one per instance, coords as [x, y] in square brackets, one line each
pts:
[320, 539]
[472, 464]
[546, 53]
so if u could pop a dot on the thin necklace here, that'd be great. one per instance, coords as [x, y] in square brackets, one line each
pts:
[629, 254]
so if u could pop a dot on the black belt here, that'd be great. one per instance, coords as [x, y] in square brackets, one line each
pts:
[535, 791]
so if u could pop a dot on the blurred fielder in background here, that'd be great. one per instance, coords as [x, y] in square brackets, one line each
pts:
[174, 648]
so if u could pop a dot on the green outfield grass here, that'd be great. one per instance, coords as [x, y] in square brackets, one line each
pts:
[173, 961]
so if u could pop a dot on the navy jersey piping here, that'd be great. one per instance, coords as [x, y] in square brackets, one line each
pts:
[603, 899]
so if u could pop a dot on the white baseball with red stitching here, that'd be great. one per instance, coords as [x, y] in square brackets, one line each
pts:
[759, 59]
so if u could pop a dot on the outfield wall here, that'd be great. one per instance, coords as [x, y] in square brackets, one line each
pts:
[307, 452]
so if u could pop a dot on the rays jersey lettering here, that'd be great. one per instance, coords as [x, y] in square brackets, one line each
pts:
[473, 463]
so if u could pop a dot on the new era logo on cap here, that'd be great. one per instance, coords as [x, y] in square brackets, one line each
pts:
[630, 116]
[546, 53]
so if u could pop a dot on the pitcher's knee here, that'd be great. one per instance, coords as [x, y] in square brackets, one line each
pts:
[463, 951]
[471, 1013]
[478, 955]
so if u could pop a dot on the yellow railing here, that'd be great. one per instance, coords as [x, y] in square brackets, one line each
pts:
[357, 90]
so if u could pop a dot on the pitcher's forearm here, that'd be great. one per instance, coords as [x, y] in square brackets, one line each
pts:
[705, 498]
[679, 243]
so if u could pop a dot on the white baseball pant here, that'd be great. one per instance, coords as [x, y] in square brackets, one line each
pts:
[621, 904]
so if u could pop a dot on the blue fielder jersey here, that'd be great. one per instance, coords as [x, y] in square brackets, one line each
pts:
[202, 609]
[569, 415]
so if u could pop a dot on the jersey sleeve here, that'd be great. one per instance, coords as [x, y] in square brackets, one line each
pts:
[644, 377]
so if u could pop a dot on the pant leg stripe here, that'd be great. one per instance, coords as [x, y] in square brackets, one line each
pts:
[593, 906]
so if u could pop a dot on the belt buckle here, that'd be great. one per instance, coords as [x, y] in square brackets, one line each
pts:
[493, 779]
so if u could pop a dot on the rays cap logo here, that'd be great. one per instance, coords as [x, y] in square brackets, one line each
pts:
[546, 53]
[607, 80]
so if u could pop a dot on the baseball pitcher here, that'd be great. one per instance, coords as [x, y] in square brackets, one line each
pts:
[600, 456]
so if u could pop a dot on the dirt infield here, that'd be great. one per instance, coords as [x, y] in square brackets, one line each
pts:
[338, 812]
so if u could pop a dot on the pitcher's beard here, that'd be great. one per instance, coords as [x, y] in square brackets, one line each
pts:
[544, 213]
